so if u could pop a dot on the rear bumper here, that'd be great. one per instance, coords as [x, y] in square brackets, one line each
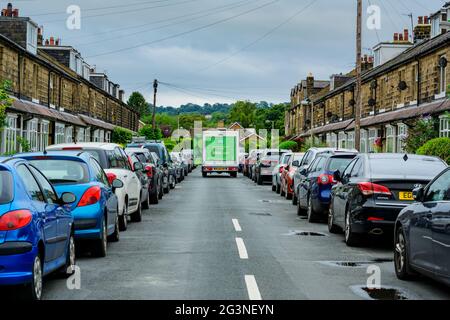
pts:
[211, 169]
[376, 220]
[16, 268]
[87, 222]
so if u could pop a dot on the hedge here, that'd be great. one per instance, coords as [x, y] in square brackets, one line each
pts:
[439, 147]
[121, 136]
[289, 145]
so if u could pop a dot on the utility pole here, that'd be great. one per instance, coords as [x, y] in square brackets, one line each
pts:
[358, 101]
[155, 91]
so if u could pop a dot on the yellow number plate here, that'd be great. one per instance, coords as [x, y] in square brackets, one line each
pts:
[406, 196]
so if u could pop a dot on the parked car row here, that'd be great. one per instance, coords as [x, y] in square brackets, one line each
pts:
[52, 200]
[395, 196]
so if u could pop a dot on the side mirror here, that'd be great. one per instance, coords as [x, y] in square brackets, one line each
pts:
[418, 194]
[68, 198]
[117, 184]
[138, 166]
[296, 163]
[337, 176]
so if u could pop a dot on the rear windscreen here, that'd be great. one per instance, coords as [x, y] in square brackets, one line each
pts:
[6, 187]
[339, 164]
[414, 168]
[63, 171]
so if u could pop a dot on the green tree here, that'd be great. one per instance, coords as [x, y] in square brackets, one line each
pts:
[187, 120]
[5, 102]
[419, 133]
[244, 112]
[150, 134]
[138, 103]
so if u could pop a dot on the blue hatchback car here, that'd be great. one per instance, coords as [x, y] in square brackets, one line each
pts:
[36, 227]
[96, 212]
[314, 191]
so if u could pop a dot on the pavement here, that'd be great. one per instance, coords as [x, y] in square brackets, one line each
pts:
[220, 238]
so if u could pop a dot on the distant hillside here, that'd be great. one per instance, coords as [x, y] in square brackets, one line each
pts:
[206, 109]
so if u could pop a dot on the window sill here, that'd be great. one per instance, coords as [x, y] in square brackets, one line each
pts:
[440, 95]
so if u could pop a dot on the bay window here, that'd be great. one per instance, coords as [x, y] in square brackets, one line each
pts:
[351, 140]
[32, 134]
[402, 133]
[59, 133]
[390, 139]
[9, 137]
[363, 147]
[342, 140]
[43, 141]
[444, 126]
[69, 134]
[373, 135]
[87, 133]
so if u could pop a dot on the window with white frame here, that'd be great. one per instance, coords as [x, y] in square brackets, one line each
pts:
[402, 133]
[373, 135]
[390, 139]
[69, 134]
[59, 133]
[43, 141]
[80, 135]
[342, 140]
[444, 126]
[101, 136]
[108, 136]
[333, 140]
[363, 143]
[96, 136]
[87, 135]
[32, 134]
[351, 140]
[9, 141]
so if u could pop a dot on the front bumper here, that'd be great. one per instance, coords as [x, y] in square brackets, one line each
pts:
[16, 267]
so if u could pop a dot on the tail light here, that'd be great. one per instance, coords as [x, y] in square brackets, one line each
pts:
[369, 188]
[90, 196]
[15, 220]
[374, 219]
[325, 179]
[131, 163]
[111, 177]
[281, 169]
[72, 148]
[149, 171]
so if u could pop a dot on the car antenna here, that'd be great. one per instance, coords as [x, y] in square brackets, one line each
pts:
[405, 157]
[45, 152]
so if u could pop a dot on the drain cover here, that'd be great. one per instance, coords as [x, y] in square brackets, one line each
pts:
[353, 264]
[383, 293]
[264, 214]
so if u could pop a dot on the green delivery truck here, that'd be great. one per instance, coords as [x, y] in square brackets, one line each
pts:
[220, 152]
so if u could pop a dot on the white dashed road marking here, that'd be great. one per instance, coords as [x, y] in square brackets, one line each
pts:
[252, 288]
[237, 226]
[241, 248]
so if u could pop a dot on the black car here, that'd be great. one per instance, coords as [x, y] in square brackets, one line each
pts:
[422, 232]
[165, 164]
[152, 171]
[372, 191]
[139, 169]
[314, 191]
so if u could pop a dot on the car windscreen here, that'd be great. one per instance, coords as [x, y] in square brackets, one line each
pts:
[99, 155]
[411, 169]
[272, 157]
[6, 187]
[340, 164]
[141, 157]
[63, 171]
[286, 159]
[155, 149]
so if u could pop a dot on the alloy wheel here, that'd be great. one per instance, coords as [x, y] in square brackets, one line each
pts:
[71, 255]
[400, 252]
[37, 278]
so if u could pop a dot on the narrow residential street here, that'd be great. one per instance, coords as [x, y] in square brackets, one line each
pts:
[224, 238]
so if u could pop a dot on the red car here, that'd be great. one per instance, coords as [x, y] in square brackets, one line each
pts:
[287, 175]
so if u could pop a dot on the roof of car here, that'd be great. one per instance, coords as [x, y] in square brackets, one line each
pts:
[93, 145]
[64, 154]
[401, 156]
[136, 150]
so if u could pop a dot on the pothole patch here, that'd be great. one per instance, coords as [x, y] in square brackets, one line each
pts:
[275, 201]
[383, 293]
[303, 233]
[354, 264]
[262, 214]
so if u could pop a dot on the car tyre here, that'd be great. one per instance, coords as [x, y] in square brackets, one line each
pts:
[294, 199]
[401, 257]
[115, 237]
[287, 194]
[351, 239]
[332, 228]
[278, 188]
[204, 174]
[274, 187]
[33, 291]
[173, 183]
[312, 214]
[137, 215]
[300, 210]
[147, 202]
[233, 174]
[123, 220]
[100, 245]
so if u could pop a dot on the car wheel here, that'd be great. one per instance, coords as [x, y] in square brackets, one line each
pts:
[259, 180]
[204, 174]
[278, 188]
[274, 187]
[115, 237]
[147, 202]
[332, 228]
[233, 174]
[33, 291]
[294, 199]
[312, 214]
[100, 245]
[287, 194]
[401, 259]
[282, 192]
[137, 215]
[154, 197]
[173, 182]
[300, 210]
[123, 221]
[351, 239]
[161, 191]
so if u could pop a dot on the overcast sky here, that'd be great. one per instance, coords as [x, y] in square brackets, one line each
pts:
[219, 50]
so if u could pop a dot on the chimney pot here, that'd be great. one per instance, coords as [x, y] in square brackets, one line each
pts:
[396, 37]
[425, 20]
[47, 42]
[15, 13]
[420, 20]
[406, 34]
[400, 37]
[52, 41]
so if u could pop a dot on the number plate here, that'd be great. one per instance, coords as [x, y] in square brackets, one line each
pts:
[405, 195]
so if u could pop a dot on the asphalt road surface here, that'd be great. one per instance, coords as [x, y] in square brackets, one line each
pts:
[224, 238]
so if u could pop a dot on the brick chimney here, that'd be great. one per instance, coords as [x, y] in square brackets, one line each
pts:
[10, 12]
[40, 39]
[309, 85]
[422, 31]
[396, 37]
[121, 95]
[367, 63]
